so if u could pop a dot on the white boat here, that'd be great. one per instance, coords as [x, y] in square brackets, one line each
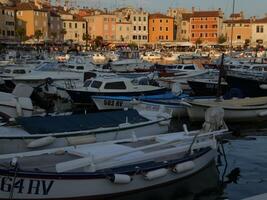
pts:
[17, 104]
[130, 65]
[98, 57]
[170, 57]
[150, 56]
[236, 110]
[111, 87]
[32, 133]
[107, 170]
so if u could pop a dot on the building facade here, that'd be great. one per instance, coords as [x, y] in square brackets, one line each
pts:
[139, 20]
[32, 19]
[237, 29]
[160, 28]
[55, 27]
[206, 26]
[103, 25]
[7, 24]
[259, 32]
[123, 30]
[178, 15]
[185, 27]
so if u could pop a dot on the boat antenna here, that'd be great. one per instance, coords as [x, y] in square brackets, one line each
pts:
[232, 29]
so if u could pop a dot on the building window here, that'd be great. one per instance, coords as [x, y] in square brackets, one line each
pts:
[214, 26]
[153, 21]
[193, 35]
[160, 21]
[167, 21]
[201, 34]
[75, 25]
[144, 19]
[134, 18]
[167, 37]
[120, 28]
[83, 25]
[238, 37]
[144, 28]
[193, 26]
[134, 28]
[140, 37]
[167, 28]
[139, 28]
[259, 29]
[105, 19]
[160, 28]
[64, 25]
[153, 29]
[144, 37]
[76, 35]
[70, 25]
[134, 37]
[140, 19]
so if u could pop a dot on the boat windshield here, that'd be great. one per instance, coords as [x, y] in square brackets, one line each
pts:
[87, 83]
[96, 84]
[50, 67]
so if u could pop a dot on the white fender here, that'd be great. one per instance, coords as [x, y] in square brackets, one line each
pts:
[185, 129]
[18, 107]
[164, 123]
[41, 142]
[121, 179]
[184, 167]
[156, 174]
[263, 113]
[263, 86]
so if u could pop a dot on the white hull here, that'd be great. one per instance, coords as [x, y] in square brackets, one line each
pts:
[110, 104]
[197, 113]
[91, 188]
[14, 142]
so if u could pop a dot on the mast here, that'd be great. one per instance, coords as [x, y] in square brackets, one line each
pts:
[232, 29]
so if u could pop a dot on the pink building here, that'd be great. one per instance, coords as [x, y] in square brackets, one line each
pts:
[102, 25]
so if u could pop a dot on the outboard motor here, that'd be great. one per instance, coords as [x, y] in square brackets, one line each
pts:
[214, 119]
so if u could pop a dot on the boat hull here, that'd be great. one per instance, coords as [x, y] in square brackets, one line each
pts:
[206, 88]
[197, 113]
[38, 185]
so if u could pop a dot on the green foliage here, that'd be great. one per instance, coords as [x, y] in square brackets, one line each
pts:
[21, 34]
[98, 41]
[133, 45]
[38, 34]
[222, 39]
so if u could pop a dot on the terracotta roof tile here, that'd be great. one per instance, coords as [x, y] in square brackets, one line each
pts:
[237, 21]
[258, 21]
[159, 15]
[206, 14]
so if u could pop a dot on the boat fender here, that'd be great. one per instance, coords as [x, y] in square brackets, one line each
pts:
[18, 107]
[263, 86]
[156, 174]
[164, 123]
[41, 142]
[263, 113]
[184, 167]
[163, 115]
[124, 125]
[185, 129]
[121, 179]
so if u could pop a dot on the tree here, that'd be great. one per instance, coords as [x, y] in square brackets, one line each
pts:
[99, 41]
[21, 34]
[198, 42]
[247, 43]
[222, 39]
[133, 45]
[86, 38]
[38, 34]
[122, 38]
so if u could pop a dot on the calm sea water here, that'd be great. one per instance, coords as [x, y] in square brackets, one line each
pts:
[244, 173]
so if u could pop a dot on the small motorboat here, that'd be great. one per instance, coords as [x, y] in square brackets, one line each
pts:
[40, 132]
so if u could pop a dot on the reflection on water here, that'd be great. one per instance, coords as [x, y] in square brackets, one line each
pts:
[204, 185]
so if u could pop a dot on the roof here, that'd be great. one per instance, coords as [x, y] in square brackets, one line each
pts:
[235, 15]
[259, 21]
[216, 13]
[237, 21]
[158, 16]
[186, 16]
[28, 6]
[54, 14]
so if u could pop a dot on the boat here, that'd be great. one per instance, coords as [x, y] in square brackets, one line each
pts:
[110, 87]
[175, 107]
[150, 56]
[33, 133]
[17, 103]
[107, 170]
[236, 110]
[130, 65]
[170, 57]
[207, 87]
[98, 57]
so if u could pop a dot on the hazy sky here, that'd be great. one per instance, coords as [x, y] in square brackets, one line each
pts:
[250, 7]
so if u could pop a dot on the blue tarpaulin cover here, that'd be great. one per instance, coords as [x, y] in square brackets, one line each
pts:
[69, 123]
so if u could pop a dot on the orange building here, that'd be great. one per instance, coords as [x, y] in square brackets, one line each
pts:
[160, 28]
[206, 26]
[32, 18]
[102, 25]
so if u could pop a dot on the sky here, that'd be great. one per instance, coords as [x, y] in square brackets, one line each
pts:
[250, 7]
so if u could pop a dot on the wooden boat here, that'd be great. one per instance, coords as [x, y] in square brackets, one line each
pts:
[236, 110]
[39, 132]
[110, 87]
[106, 170]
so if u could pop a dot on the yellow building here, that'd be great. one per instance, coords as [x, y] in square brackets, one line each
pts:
[123, 30]
[7, 24]
[74, 26]
[32, 19]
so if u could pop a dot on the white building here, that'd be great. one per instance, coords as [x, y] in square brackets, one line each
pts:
[259, 32]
